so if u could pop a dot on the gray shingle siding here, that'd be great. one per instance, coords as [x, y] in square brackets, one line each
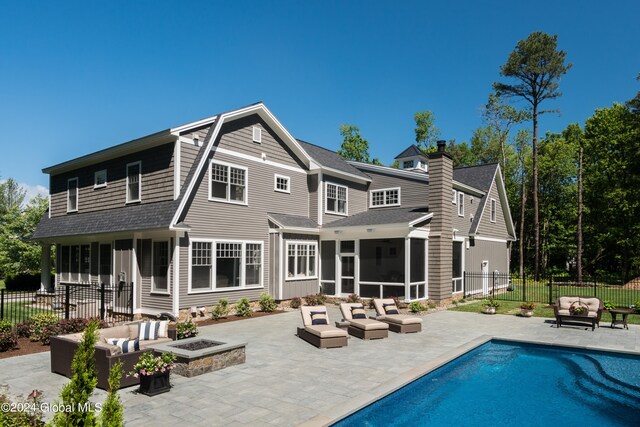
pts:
[412, 192]
[356, 198]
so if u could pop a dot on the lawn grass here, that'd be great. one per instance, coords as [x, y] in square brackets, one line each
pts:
[17, 312]
[512, 308]
[540, 293]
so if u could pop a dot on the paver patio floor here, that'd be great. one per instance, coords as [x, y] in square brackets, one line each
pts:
[287, 381]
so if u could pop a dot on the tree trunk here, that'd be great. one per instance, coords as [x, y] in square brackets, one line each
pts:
[579, 231]
[523, 202]
[504, 158]
[536, 218]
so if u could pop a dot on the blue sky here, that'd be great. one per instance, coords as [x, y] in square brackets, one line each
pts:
[76, 77]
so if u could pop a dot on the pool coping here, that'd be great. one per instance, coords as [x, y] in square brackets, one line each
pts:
[340, 412]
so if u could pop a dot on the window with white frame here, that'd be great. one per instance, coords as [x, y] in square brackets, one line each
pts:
[301, 260]
[223, 265]
[460, 203]
[336, 199]
[134, 171]
[282, 184]
[454, 196]
[385, 197]
[72, 195]
[228, 183]
[160, 267]
[407, 164]
[100, 179]
[493, 210]
[75, 263]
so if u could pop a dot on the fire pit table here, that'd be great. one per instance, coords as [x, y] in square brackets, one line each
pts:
[197, 356]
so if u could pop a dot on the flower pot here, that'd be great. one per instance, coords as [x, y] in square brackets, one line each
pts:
[157, 383]
[526, 312]
[489, 310]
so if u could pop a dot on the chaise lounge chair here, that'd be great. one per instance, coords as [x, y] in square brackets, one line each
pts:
[318, 331]
[360, 326]
[387, 312]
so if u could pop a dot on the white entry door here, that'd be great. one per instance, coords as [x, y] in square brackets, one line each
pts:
[485, 277]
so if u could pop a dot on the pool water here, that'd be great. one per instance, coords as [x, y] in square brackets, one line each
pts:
[520, 384]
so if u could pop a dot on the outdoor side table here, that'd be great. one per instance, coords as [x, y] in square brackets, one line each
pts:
[342, 324]
[625, 312]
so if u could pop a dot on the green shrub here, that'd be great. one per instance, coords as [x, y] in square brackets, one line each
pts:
[317, 299]
[5, 326]
[221, 309]
[112, 414]
[24, 282]
[31, 415]
[8, 340]
[432, 305]
[490, 302]
[23, 329]
[353, 298]
[637, 306]
[186, 329]
[267, 303]
[295, 302]
[49, 331]
[39, 322]
[608, 305]
[416, 307]
[243, 308]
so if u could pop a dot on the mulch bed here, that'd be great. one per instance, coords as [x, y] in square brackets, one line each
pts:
[234, 318]
[24, 347]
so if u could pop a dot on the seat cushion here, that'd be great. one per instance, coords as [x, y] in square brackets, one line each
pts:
[326, 331]
[593, 304]
[565, 302]
[150, 343]
[564, 312]
[115, 332]
[368, 324]
[402, 319]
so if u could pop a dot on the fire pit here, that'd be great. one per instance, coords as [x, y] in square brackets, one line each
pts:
[197, 356]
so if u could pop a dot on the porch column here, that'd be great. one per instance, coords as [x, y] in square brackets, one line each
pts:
[45, 267]
[407, 268]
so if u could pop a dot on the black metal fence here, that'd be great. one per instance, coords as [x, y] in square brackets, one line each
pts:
[70, 300]
[507, 287]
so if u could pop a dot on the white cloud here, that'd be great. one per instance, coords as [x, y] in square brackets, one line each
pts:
[31, 191]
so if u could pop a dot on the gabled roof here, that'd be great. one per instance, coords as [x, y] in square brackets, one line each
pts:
[480, 177]
[145, 216]
[411, 151]
[289, 221]
[331, 160]
[406, 216]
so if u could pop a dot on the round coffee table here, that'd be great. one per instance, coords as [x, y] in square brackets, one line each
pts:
[625, 312]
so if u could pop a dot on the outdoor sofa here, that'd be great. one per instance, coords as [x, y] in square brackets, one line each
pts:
[401, 323]
[592, 317]
[107, 355]
[317, 331]
[363, 328]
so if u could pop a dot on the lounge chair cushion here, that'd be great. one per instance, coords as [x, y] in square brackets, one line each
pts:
[319, 318]
[326, 331]
[115, 332]
[401, 319]
[357, 312]
[368, 324]
[125, 344]
[390, 308]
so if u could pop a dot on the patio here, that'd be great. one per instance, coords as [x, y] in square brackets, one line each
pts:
[285, 381]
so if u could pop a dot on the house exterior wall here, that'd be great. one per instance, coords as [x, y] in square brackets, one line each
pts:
[494, 252]
[412, 192]
[149, 299]
[299, 287]
[463, 223]
[188, 153]
[220, 220]
[157, 182]
[312, 187]
[497, 229]
[356, 198]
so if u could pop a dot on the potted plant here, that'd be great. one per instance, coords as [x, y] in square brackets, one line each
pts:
[153, 372]
[578, 310]
[526, 309]
[636, 306]
[186, 329]
[489, 306]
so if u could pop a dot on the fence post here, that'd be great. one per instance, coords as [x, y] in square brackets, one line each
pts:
[524, 288]
[550, 289]
[66, 302]
[595, 287]
[464, 284]
[102, 303]
[1, 303]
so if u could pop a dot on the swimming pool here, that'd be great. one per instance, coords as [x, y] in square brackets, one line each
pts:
[520, 384]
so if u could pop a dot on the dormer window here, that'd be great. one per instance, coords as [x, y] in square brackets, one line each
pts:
[407, 164]
[72, 195]
[100, 179]
[133, 182]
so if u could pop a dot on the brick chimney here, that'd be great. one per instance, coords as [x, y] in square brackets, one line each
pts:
[441, 231]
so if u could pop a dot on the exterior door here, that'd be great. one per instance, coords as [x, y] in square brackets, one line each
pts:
[485, 277]
[123, 276]
[347, 274]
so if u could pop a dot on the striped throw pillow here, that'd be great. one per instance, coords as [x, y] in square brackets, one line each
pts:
[390, 308]
[319, 318]
[148, 330]
[357, 312]
[126, 345]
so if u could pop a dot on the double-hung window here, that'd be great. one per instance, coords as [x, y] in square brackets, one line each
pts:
[493, 210]
[228, 183]
[134, 175]
[72, 195]
[460, 203]
[336, 200]
[225, 265]
[385, 197]
[301, 260]
[160, 266]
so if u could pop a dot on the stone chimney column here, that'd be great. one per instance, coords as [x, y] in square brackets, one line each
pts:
[441, 229]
